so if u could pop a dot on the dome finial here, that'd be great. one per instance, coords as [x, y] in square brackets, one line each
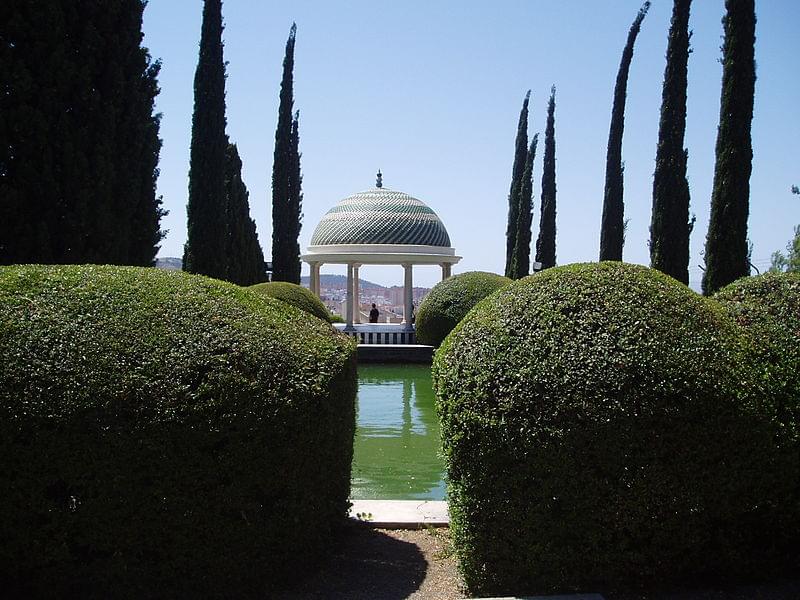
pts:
[379, 183]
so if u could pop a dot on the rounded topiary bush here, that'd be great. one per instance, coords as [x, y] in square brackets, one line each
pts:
[767, 308]
[294, 294]
[450, 300]
[165, 435]
[599, 430]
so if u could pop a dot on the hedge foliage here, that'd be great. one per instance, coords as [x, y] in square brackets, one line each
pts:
[296, 295]
[165, 435]
[601, 427]
[767, 308]
[450, 300]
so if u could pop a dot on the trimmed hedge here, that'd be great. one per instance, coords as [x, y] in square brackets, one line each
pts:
[450, 300]
[767, 308]
[600, 428]
[165, 435]
[296, 295]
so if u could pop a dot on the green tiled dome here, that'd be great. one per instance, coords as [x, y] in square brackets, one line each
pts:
[380, 216]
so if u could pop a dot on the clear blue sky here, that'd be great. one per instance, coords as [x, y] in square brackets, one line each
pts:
[430, 92]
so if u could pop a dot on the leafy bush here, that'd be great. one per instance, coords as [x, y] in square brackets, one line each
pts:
[450, 300]
[296, 295]
[767, 308]
[165, 435]
[600, 428]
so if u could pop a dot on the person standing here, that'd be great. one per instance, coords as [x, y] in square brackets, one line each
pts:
[373, 314]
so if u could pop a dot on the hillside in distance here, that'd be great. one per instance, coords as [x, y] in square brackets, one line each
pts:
[340, 282]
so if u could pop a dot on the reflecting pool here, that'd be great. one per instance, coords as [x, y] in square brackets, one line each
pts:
[396, 453]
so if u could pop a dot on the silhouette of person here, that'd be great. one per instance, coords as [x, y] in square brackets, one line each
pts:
[373, 314]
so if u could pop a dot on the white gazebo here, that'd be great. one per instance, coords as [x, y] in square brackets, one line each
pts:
[379, 227]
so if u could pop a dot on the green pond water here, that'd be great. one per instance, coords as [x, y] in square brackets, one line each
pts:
[396, 455]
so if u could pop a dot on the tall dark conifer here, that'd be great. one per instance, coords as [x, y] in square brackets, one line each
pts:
[517, 172]
[206, 242]
[726, 255]
[78, 138]
[546, 242]
[284, 247]
[141, 147]
[244, 254]
[294, 208]
[521, 260]
[612, 234]
[670, 226]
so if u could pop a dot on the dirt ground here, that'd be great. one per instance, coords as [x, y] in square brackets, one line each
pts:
[380, 564]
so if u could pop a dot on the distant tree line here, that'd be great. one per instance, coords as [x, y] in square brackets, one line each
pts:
[79, 141]
[791, 260]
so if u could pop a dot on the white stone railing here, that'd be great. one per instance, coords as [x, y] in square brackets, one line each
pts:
[379, 333]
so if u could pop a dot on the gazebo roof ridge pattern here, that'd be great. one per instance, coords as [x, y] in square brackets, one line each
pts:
[381, 216]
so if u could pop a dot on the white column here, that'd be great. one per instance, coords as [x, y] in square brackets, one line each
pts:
[356, 295]
[317, 284]
[349, 296]
[314, 278]
[445, 271]
[408, 289]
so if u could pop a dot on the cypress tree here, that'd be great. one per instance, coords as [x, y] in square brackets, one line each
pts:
[78, 138]
[207, 233]
[33, 197]
[294, 207]
[517, 172]
[284, 254]
[244, 254]
[670, 226]
[521, 261]
[612, 230]
[546, 242]
[726, 254]
[140, 148]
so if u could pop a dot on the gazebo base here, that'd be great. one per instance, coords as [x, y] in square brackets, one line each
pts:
[395, 353]
[379, 333]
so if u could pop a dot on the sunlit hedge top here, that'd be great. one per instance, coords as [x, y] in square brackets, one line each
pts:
[152, 340]
[294, 294]
[591, 333]
[767, 308]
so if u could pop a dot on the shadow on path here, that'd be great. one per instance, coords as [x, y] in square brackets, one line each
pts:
[367, 564]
